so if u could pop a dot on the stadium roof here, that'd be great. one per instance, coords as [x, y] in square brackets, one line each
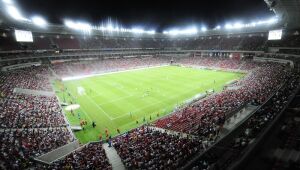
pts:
[288, 10]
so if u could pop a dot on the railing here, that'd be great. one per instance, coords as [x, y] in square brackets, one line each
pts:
[58, 153]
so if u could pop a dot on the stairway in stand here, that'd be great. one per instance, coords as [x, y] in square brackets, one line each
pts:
[113, 157]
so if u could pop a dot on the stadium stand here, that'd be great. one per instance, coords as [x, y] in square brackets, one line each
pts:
[32, 125]
[203, 117]
[37, 125]
[91, 156]
[230, 154]
[145, 148]
[253, 42]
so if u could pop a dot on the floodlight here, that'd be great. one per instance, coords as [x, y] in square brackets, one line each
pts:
[9, 2]
[150, 32]
[253, 24]
[109, 27]
[203, 29]
[69, 23]
[238, 25]
[137, 30]
[228, 26]
[218, 27]
[81, 26]
[192, 30]
[15, 13]
[272, 20]
[173, 32]
[39, 21]
[188, 31]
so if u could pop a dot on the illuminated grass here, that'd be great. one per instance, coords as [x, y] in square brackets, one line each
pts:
[119, 100]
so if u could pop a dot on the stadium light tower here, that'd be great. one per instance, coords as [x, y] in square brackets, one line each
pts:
[39, 21]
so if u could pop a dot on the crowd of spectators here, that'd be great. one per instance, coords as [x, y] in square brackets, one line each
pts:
[30, 125]
[33, 125]
[34, 78]
[220, 62]
[91, 156]
[255, 125]
[19, 146]
[107, 65]
[205, 117]
[253, 42]
[146, 148]
[28, 111]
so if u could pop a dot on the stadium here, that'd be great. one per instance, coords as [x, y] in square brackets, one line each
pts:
[80, 95]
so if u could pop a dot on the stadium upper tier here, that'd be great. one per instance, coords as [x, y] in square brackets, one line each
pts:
[249, 41]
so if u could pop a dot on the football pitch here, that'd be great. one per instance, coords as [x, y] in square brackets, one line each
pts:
[125, 100]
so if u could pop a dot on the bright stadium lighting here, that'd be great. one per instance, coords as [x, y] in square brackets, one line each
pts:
[203, 29]
[228, 26]
[109, 26]
[173, 32]
[80, 26]
[137, 30]
[238, 25]
[188, 31]
[151, 32]
[39, 21]
[217, 27]
[272, 20]
[252, 24]
[9, 2]
[15, 13]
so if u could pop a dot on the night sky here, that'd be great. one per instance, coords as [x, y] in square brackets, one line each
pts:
[156, 14]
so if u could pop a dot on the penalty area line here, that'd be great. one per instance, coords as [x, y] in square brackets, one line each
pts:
[98, 107]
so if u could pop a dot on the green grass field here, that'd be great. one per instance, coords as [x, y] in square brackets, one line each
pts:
[121, 99]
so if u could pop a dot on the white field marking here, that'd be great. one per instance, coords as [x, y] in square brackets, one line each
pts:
[113, 72]
[119, 88]
[99, 107]
[90, 117]
[90, 99]
[117, 99]
[113, 85]
[141, 108]
[160, 101]
[86, 114]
